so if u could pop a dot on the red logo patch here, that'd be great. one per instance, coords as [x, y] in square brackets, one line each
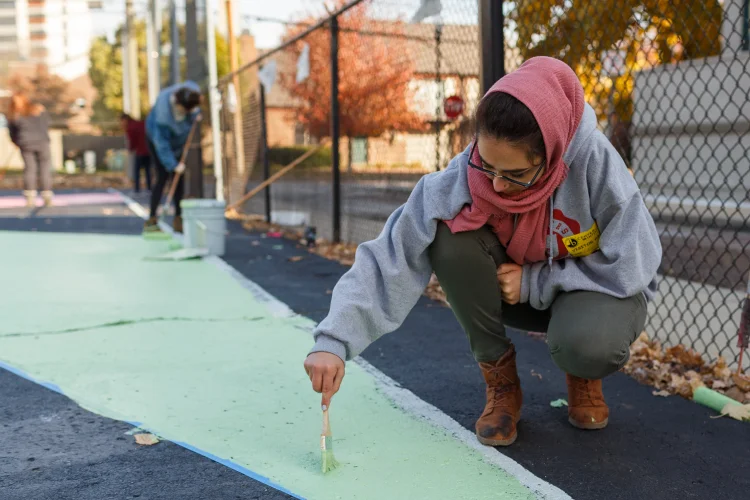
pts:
[563, 227]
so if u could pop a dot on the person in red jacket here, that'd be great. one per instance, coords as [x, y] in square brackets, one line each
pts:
[135, 130]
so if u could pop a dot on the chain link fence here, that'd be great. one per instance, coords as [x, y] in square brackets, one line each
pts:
[669, 82]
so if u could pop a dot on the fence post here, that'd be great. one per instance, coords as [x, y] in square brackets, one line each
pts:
[439, 91]
[491, 22]
[264, 151]
[174, 40]
[195, 71]
[335, 129]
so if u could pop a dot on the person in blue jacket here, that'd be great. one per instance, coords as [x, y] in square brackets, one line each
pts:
[167, 130]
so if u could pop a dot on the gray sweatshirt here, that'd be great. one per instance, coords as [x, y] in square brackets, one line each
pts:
[603, 239]
[30, 132]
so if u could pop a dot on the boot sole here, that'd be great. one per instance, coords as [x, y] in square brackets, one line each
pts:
[589, 427]
[497, 442]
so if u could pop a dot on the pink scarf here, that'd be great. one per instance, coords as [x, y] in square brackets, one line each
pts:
[551, 90]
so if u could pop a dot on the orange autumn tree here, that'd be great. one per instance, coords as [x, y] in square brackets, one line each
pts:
[375, 72]
[587, 34]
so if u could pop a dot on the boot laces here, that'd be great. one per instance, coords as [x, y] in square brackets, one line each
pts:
[586, 392]
[502, 390]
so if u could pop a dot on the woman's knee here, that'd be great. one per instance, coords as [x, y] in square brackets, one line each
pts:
[451, 250]
[590, 333]
[583, 356]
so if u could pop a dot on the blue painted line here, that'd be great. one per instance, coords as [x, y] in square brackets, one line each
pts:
[227, 463]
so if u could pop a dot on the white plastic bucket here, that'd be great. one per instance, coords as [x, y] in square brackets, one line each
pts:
[290, 218]
[204, 225]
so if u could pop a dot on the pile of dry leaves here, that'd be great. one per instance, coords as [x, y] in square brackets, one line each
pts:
[679, 370]
[671, 370]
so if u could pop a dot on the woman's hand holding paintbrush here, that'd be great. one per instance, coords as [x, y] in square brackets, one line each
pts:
[326, 371]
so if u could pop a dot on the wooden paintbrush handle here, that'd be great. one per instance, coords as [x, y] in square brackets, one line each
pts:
[326, 423]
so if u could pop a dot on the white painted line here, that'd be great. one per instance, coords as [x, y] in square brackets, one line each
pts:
[404, 398]
[133, 205]
[412, 404]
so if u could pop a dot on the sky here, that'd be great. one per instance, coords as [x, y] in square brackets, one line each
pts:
[268, 34]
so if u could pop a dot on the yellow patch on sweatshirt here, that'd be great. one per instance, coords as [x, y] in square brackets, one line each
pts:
[583, 244]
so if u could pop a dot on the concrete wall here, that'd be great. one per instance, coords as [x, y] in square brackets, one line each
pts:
[691, 135]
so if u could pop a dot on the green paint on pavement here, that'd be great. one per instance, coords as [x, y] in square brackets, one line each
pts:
[233, 388]
[558, 403]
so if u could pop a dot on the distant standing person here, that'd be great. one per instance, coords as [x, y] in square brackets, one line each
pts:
[28, 124]
[167, 129]
[135, 130]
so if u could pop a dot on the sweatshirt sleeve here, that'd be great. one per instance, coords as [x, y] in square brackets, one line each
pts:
[160, 140]
[391, 272]
[629, 252]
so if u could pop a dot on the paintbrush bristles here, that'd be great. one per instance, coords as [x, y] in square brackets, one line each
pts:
[328, 461]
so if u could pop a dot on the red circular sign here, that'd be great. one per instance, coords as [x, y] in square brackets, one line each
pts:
[453, 106]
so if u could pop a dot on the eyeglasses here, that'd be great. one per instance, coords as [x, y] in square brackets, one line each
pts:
[495, 174]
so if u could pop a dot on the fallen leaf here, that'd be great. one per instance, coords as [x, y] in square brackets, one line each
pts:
[737, 412]
[718, 384]
[278, 247]
[684, 356]
[694, 379]
[535, 374]
[721, 371]
[329, 292]
[737, 394]
[677, 381]
[558, 403]
[255, 243]
[146, 439]
[296, 258]
[742, 381]
[663, 394]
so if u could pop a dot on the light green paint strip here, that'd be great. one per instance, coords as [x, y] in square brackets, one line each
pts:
[233, 388]
[67, 281]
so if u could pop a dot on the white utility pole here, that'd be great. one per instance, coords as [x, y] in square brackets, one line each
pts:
[214, 97]
[153, 50]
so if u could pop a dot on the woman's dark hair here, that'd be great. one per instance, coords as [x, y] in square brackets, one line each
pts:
[187, 98]
[502, 116]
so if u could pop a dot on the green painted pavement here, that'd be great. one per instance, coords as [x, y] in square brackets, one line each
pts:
[228, 380]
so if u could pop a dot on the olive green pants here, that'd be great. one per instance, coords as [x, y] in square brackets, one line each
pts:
[588, 333]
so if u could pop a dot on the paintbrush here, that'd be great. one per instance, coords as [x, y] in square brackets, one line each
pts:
[326, 445]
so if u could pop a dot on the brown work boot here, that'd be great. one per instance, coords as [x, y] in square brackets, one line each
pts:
[177, 224]
[586, 406]
[152, 224]
[497, 425]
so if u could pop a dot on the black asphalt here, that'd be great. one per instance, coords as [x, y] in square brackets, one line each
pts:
[51, 449]
[654, 448]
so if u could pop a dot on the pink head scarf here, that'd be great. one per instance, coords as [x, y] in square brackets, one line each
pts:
[551, 90]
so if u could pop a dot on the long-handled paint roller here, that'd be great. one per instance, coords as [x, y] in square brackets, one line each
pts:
[183, 158]
[152, 232]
